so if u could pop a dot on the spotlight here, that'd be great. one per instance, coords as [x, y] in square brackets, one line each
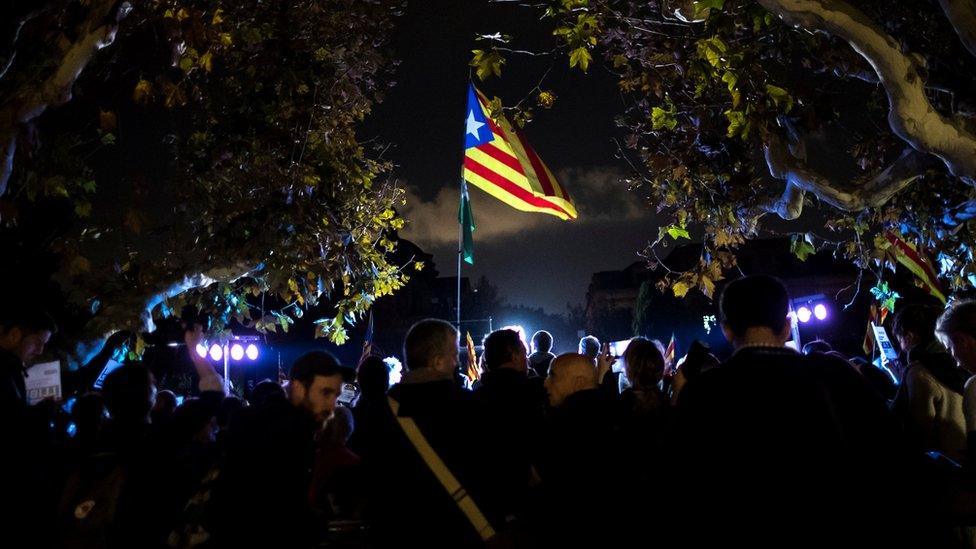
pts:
[820, 311]
[252, 351]
[201, 350]
[216, 353]
[803, 314]
[236, 351]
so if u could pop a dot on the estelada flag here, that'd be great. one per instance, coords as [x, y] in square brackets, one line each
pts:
[473, 372]
[918, 263]
[669, 355]
[499, 161]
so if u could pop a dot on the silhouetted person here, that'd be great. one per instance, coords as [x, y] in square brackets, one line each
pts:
[162, 410]
[513, 405]
[541, 355]
[270, 449]
[930, 396]
[804, 436]
[408, 505]
[589, 346]
[578, 442]
[24, 331]
[373, 376]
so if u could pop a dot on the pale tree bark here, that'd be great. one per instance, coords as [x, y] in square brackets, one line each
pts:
[801, 178]
[962, 15]
[132, 311]
[910, 115]
[94, 33]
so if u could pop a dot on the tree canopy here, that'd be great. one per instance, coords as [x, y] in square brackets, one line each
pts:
[739, 111]
[198, 153]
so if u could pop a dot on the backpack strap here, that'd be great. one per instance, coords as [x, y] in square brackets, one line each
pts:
[461, 498]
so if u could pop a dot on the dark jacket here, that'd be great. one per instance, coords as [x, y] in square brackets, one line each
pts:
[13, 392]
[513, 406]
[580, 444]
[262, 496]
[539, 362]
[408, 507]
[804, 438]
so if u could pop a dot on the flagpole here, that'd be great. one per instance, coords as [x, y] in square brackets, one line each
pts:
[459, 254]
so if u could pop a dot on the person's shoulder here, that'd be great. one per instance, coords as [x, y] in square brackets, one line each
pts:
[970, 387]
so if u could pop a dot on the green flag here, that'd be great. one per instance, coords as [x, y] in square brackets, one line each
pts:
[466, 219]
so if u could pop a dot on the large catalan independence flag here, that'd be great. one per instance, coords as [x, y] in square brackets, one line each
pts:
[499, 161]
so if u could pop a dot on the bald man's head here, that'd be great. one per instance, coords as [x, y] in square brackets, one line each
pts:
[569, 373]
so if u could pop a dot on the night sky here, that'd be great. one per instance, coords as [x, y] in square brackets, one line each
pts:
[535, 259]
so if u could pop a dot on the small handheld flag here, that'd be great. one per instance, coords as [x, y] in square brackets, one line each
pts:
[499, 161]
[473, 372]
[669, 355]
[918, 262]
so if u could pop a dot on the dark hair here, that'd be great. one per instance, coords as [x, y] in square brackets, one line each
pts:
[229, 407]
[644, 362]
[264, 391]
[191, 416]
[373, 376]
[698, 360]
[589, 346]
[128, 393]
[542, 341]
[817, 346]
[916, 318]
[757, 301]
[314, 363]
[961, 317]
[499, 346]
[340, 427]
[88, 413]
[27, 318]
[428, 339]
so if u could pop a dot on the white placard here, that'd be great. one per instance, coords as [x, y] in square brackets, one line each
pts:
[43, 381]
[881, 338]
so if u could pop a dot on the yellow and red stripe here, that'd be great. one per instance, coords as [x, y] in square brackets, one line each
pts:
[510, 170]
[918, 263]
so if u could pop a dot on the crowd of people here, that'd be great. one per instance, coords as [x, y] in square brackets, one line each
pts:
[771, 446]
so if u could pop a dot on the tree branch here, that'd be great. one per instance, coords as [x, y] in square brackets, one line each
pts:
[910, 115]
[962, 16]
[97, 31]
[874, 193]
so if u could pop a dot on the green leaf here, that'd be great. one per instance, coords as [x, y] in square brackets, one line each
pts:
[661, 119]
[702, 7]
[713, 51]
[580, 57]
[801, 248]
[487, 63]
[780, 97]
[677, 232]
[737, 123]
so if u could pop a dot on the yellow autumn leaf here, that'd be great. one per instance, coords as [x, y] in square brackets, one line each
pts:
[680, 288]
[182, 14]
[226, 39]
[206, 61]
[218, 16]
[142, 93]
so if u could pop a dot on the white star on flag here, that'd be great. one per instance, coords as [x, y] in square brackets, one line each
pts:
[473, 125]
